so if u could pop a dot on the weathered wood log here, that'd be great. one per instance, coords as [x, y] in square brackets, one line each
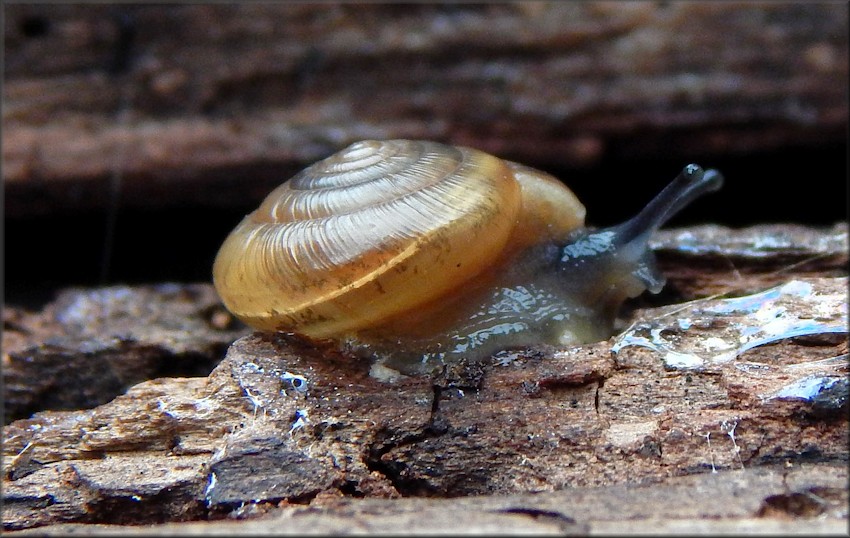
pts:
[104, 107]
[717, 384]
[95, 92]
[90, 345]
[801, 499]
[708, 259]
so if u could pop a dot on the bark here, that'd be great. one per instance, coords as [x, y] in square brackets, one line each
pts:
[708, 259]
[90, 345]
[106, 98]
[802, 499]
[742, 397]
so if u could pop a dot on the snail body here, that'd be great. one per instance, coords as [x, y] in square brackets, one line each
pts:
[420, 253]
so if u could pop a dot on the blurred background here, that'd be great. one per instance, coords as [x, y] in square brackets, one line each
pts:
[135, 137]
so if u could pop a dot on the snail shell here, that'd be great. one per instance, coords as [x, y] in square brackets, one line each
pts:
[380, 228]
[422, 250]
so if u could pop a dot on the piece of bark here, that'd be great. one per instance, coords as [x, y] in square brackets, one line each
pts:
[89, 345]
[94, 93]
[708, 259]
[615, 412]
[748, 381]
[800, 499]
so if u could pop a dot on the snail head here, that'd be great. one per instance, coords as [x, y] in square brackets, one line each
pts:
[604, 267]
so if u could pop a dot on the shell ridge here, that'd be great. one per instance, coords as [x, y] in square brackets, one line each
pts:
[330, 266]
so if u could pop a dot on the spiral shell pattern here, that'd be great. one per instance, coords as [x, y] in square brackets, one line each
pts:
[370, 232]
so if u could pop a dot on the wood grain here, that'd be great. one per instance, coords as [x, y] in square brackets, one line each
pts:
[258, 91]
[663, 400]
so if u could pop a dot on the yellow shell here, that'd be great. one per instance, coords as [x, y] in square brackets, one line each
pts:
[381, 228]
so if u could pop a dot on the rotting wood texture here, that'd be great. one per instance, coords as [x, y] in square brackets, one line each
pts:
[261, 90]
[90, 345]
[805, 499]
[747, 382]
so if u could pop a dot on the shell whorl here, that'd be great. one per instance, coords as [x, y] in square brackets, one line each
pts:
[334, 249]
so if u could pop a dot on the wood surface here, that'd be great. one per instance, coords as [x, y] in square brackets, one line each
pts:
[215, 104]
[610, 432]
[719, 407]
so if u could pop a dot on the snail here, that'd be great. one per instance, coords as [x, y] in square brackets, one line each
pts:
[419, 254]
